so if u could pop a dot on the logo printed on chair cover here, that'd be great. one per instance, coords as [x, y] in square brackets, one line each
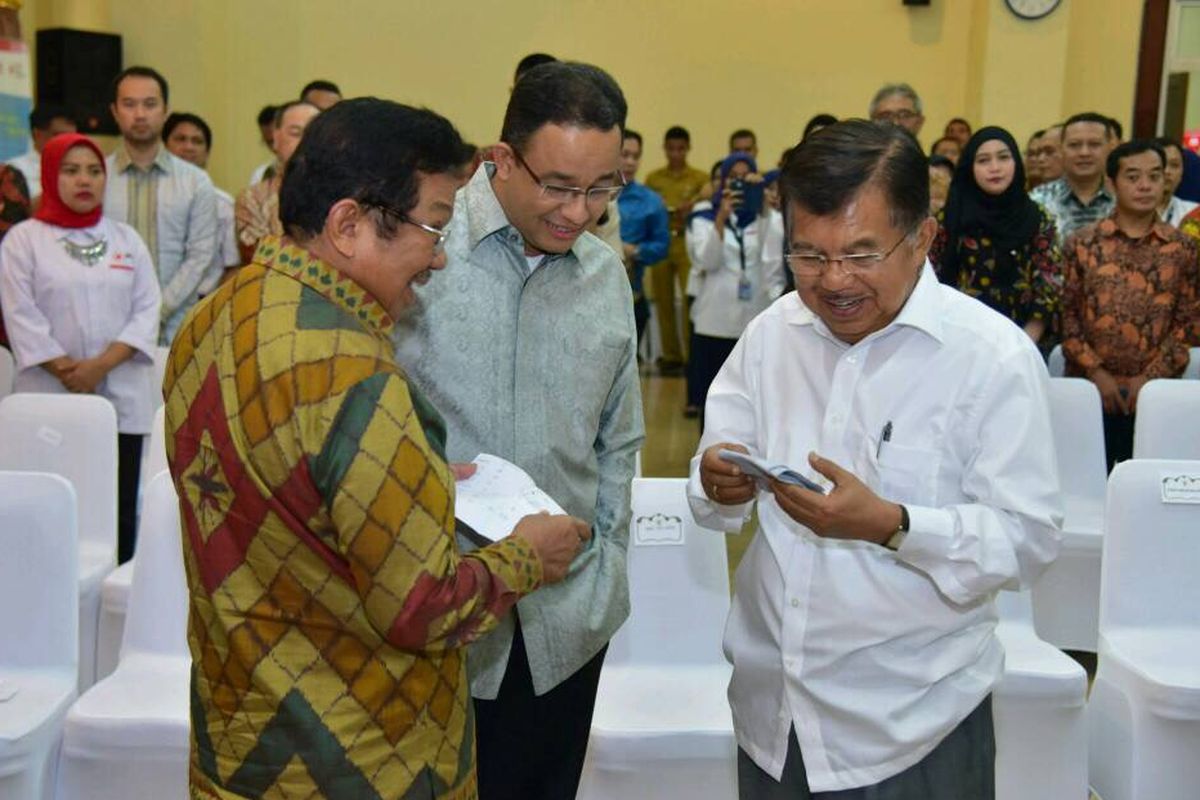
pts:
[1181, 488]
[657, 530]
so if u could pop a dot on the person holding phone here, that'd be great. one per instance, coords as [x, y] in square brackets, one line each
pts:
[735, 248]
[862, 630]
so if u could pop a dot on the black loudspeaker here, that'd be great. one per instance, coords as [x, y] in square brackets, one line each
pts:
[916, 2]
[75, 69]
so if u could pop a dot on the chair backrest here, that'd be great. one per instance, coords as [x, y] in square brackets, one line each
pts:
[1077, 420]
[39, 572]
[1057, 362]
[1151, 561]
[72, 435]
[678, 581]
[154, 457]
[8, 372]
[156, 620]
[1015, 607]
[1192, 371]
[1168, 420]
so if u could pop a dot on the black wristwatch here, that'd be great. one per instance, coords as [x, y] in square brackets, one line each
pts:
[897, 538]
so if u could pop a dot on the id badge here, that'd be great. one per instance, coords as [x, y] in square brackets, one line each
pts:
[745, 289]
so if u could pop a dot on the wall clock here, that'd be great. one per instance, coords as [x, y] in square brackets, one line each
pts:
[1032, 9]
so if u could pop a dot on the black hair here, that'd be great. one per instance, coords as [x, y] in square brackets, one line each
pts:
[942, 163]
[716, 169]
[266, 116]
[1117, 128]
[180, 117]
[368, 150]
[1091, 116]
[933, 147]
[632, 134]
[320, 86]
[1037, 134]
[677, 132]
[958, 119]
[817, 121]
[140, 72]
[530, 61]
[1166, 141]
[562, 93]
[44, 113]
[742, 133]
[826, 171]
[1134, 147]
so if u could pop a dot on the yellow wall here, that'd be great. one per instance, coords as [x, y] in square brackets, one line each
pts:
[711, 65]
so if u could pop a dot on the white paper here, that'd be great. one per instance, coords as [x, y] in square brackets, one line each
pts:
[8, 690]
[493, 500]
[762, 471]
[1181, 487]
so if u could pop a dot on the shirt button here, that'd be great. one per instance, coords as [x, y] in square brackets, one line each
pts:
[795, 603]
[836, 419]
[852, 359]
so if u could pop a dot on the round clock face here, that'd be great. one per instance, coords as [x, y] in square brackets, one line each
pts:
[1032, 9]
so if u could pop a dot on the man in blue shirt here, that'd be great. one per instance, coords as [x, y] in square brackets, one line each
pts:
[644, 230]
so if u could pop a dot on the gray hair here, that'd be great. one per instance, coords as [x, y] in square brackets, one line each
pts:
[891, 89]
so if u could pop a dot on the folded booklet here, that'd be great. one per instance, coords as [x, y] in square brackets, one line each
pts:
[762, 471]
[490, 503]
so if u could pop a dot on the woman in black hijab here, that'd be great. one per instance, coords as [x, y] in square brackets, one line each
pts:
[996, 244]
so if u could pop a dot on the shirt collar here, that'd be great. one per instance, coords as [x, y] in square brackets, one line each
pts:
[485, 215]
[296, 262]
[922, 311]
[162, 160]
[1160, 230]
[1065, 191]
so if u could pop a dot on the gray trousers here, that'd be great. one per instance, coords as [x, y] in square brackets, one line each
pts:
[961, 767]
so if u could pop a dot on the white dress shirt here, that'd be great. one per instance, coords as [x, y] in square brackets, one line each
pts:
[1176, 210]
[30, 165]
[56, 306]
[874, 656]
[717, 264]
[186, 228]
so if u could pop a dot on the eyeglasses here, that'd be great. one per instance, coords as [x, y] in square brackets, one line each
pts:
[595, 196]
[903, 115]
[810, 265]
[440, 234]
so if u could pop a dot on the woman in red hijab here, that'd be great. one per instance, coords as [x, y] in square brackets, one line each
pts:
[81, 303]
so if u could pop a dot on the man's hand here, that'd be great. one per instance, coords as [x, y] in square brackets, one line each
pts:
[462, 470]
[723, 482]
[59, 367]
[557, 540]
[1133, 389]
[1110, 391]
[850, 511]
[85, 375]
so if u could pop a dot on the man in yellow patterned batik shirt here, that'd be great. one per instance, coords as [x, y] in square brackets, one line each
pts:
[330, 607]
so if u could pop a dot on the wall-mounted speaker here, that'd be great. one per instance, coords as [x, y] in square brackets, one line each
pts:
[75, 69]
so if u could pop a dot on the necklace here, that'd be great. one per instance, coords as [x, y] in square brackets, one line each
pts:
[88, 254]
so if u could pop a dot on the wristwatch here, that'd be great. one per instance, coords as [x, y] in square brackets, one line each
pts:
[897, 538]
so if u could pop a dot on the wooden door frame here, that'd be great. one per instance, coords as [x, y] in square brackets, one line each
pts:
[1151, 57]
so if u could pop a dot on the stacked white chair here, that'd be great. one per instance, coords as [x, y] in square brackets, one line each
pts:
[1039, 712]
[1168, 420]
[127, 736]
[1066, 599]
[75, 436]
[662, 725]
[114, 593]
[1144, 710]
[1057, 362]
[39, 612]
[161, 356]
[1192, 372]
[8, 372]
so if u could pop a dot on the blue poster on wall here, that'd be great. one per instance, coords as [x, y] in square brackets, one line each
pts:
[16, 98]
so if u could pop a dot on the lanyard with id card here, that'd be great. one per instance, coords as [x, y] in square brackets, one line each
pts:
[745, 289]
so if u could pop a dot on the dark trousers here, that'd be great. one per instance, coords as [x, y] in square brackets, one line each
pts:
[531, 747]
[1118, 438]
[961, 767]
[641, 315]
[707, 357]
[129, 467]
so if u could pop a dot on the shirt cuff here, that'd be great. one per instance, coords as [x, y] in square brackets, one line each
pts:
[927, 546]
[714, 516]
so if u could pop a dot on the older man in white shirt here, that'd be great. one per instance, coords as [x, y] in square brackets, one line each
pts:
[862, 631]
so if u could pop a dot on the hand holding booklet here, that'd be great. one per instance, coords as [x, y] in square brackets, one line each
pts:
[490, 503]
[762, 471]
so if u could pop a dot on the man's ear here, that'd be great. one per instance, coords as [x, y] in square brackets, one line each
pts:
[925, 234]
[505, 161]
[343, 226]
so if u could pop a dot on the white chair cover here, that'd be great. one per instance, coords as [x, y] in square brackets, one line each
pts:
[1039, 712]
[1168, 420]
[1066, 598]
[1057, 362]
[75, 436]
[1144, 711]
[1192, 372]
[39, 640]
[662, 725]
[8, 372]
[161, 355]
[128, 735]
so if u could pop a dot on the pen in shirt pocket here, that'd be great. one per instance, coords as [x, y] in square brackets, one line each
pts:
[884, 436]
